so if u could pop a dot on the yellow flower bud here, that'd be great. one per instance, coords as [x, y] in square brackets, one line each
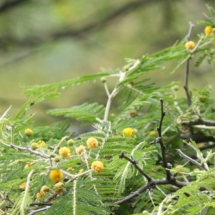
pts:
[28, 165]
[34, 146]
[92, 142]
[64, 152]
[152, 133]
[103, 79]
[132, 113]
[70, 142]
[28, 132]
[56, 175]
[97, 166]
[127, 132]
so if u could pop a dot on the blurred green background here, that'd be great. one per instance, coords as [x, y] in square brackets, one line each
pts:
[46, 41]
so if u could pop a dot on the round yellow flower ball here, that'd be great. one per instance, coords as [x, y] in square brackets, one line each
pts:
[189, 45]
[56, 175]
[92, 142]
[127, 132]
[97, 166]
[64, 152]
[208, 30]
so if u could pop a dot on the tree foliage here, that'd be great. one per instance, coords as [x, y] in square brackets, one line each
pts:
[155, 156]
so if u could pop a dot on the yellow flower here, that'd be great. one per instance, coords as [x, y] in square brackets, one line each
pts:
[28, 165]
[65, 152]
[80, 149]
[56, 175]
[80, 171]
[127, 132]
[44, 188]
[97, 166]
[22, 186]
[40, 194]
[208, 30]
[41, 143]
[28, 132]
[152, 133]
[61, 190]
[189, 45]
[92, 142]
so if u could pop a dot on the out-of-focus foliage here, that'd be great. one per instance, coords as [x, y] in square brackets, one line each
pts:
[45, 41]
[154, 156]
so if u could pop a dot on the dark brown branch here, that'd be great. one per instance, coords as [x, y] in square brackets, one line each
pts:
[159, 129]
[135, 164]
[151, 184]
[189, 102]
[41, 204]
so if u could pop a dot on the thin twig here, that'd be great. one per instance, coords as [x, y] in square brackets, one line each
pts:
[58, 145]
[189, 102]
[135, 164]
[147, 186]
[40, 154]
[190, 159]
[189, 32]
[39, 210]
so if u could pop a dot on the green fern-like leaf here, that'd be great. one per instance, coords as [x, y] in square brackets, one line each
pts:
[86, 112]
[38, 90]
